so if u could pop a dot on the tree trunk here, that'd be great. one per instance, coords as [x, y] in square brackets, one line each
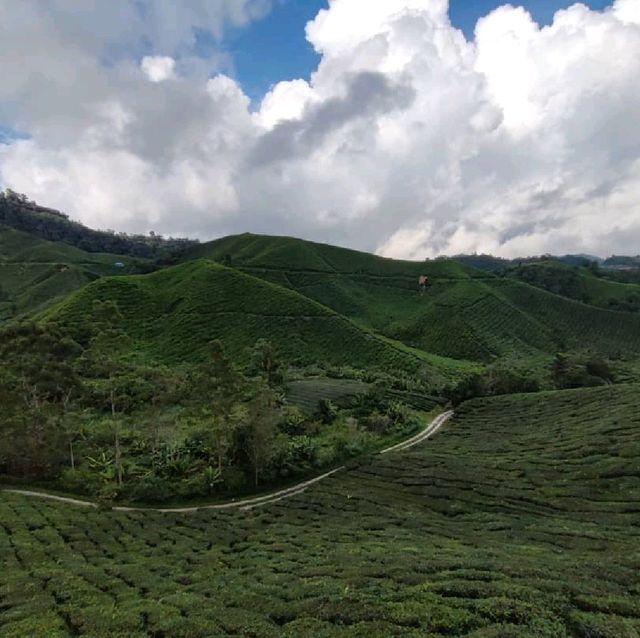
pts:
[71, 455]
[220, 461]
[118, 455]
[116, 427]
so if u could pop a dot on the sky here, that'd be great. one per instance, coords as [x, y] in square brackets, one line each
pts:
[275, 48]
[411, 128]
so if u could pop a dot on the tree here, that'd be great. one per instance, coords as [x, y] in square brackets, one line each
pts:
[37, 383]
[108, 346]
[264, 363]
[261, 429]
[219, 386]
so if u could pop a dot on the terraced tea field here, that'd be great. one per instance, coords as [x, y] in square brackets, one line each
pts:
[520, 518]
[307, 393]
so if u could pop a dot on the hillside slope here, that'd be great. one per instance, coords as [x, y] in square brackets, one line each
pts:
[580, 284]
[174, 313]
[464, 314]
[35, 272]
[519, 519]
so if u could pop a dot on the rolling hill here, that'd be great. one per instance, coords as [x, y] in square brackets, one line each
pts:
[172, 315]
[317, 302]
[581, 284]
[465, 314]
[35, 272]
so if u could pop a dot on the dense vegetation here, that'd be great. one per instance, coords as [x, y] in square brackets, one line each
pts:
[90, 416]
[519, 519]
[465, 314]
[586, 284]
[17, 212]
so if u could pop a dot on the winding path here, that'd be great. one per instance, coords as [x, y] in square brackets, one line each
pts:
[249, 503]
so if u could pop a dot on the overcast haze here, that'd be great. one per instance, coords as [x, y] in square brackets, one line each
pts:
[408, 139]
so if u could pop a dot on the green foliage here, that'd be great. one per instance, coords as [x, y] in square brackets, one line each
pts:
[571, 371]
[172, 315]
[587, 284]
[466, 314]
[494, 380]
[35, 273]
[52, 225]
[37, 381]
[517, 520]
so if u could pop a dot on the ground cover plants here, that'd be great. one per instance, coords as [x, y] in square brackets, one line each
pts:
[536, 537]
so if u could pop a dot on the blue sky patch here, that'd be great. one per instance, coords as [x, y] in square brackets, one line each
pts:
[275, 48]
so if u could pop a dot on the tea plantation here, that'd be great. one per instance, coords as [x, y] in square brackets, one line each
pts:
[520, 518]
[174, 313]
[35, 273]
[464, 314]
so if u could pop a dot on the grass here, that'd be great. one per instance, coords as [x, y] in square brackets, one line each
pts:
[519, 519]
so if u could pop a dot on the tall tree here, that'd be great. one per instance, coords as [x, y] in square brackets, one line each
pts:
[219, 387]
[261, 428]
[265, 363]
[38, 382]
[108, 348]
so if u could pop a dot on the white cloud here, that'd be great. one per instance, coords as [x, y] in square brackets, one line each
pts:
[158, 67]
[407, 139]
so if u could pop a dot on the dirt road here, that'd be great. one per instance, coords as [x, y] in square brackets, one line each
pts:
[249, 503]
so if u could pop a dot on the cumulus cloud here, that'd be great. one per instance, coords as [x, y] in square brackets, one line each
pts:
[158, 67]
[407, 139]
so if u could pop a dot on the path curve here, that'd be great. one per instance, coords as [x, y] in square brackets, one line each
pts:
[249, 503]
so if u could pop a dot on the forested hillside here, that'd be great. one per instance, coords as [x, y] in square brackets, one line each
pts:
[17, 212]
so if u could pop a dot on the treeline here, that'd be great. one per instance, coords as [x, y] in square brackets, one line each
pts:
[18, 212]
[567, 371]
[83, 412]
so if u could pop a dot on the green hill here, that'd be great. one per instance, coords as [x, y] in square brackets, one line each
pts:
[35, 272]
[577, 283]
[174, 313]
[270, 253]
[519, 519]
[465, 313]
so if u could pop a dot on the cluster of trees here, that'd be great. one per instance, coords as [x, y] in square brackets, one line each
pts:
[551, 276]
[85, 413]
[629, 303]
[18, 212]
[566, 371]
[577, 371]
